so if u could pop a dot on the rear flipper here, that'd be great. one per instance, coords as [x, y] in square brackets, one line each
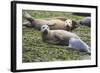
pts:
[29, 18]
[78, 44]
[27, 24]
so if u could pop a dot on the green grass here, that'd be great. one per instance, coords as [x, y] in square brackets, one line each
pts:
[35, 50]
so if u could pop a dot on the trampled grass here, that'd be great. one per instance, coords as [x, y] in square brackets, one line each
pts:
[35, 50]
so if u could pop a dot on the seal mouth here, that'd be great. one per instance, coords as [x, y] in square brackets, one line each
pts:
[68, 27]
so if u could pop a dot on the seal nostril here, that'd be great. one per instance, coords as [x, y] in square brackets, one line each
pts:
[67, 26]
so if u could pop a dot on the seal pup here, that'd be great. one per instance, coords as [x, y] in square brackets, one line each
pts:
[62, 37]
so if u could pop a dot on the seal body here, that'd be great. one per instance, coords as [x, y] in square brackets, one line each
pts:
[62, 37]
[86, 21]
[56, 36]
[54, 23]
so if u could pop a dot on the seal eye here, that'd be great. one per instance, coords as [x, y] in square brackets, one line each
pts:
[66, 22]
[43, 27]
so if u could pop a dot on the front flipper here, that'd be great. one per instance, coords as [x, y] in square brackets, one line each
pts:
[62, 41]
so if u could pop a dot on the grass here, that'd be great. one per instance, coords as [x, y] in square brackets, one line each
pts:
[35, 50]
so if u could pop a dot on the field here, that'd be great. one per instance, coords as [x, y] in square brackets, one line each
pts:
[35, 50]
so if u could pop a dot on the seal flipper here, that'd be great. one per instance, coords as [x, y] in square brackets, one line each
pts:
[78, 44]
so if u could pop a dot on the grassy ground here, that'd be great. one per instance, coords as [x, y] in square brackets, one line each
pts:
[35, 50]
